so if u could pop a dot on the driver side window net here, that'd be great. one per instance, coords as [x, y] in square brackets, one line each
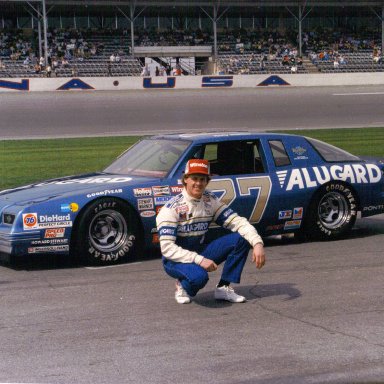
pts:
[234, 158]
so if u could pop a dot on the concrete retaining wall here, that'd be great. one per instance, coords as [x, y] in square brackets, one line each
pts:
[188, 82]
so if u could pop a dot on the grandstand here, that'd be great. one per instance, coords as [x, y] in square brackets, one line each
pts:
[115, 38]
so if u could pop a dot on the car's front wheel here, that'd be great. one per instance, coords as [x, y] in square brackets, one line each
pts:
[332, 212]
[107, 233]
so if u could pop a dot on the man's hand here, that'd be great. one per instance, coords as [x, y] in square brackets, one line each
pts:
[258, 255]
[208, 265]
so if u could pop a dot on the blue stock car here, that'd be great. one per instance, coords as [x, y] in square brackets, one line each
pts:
[281, 183]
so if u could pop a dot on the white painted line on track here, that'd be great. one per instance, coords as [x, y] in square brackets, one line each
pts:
[113, 266]
[358, 94]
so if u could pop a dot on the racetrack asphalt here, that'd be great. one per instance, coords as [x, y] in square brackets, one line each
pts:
[89, 113]
[314, 313]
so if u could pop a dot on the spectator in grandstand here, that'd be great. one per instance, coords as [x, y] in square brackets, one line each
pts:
[342, 60]
[65, 63]
[336, 63]
[49, 71]
[112, 58]
[42, 62]
[75, 71]
[117, 58]
[145, 71]
[55, 63]
[109, 68]
[186, 257]
[2, 65]
[37, 68]
[299, 61]
[27, 62]
[285, 60]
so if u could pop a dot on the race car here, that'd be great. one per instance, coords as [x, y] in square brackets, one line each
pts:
[281, 183]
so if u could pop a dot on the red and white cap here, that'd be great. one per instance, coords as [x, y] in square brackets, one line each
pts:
[197, 166]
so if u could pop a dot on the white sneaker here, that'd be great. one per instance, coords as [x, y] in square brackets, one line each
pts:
[227, 293]
[181, 296]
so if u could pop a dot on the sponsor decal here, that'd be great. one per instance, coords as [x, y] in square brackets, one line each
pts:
[182, 208]
[71, 207]
[273, 80]
[285, 214]
[297, 213]
[170, 83]
[161, 200]
[155, 238]
[30, 221]
[373, 208]
[195, 227]
[183, 216]
[167, 231]
[217, 81]
[142, 192]
[122, 250]
[89, 180]
[177, 189]
[22, 86]
[162, 190]
[145, 204]
[50, 248]
[274, 227]
[302, 178]
[299, 152]
[292, 224]
[104, 193]
[54, 233]
[147, 213]
[50, 241]
[75, 84]
[227, 213]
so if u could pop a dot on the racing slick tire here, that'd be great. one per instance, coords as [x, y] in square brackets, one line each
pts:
[108, 232]
[332, 212]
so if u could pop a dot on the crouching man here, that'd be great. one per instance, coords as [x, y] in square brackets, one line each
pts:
[182, 224]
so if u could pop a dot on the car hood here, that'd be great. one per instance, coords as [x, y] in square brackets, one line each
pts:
[50, 189]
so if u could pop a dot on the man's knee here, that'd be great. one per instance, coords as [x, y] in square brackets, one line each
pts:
[197, 282]
[242, 244]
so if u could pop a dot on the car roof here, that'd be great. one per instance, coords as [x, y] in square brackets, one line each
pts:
[220, 136]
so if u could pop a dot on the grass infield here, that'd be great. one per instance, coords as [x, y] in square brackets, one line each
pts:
[27, 161]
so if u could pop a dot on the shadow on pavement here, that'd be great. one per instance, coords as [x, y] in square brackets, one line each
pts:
[251, 292]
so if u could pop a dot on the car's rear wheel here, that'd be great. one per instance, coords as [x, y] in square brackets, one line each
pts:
[108, 232]
[332, 212]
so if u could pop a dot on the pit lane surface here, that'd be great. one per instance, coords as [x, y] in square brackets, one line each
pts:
[314, 313]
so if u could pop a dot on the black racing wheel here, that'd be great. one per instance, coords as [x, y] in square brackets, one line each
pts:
[332, 212]
[108, 232]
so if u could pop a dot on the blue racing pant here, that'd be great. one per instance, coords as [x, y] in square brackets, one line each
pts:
[232, 249]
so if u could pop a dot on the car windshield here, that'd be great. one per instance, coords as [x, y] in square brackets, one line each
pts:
[330, 153]
[149, 157]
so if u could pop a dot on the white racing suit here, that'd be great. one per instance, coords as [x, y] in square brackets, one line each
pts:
[182, 224]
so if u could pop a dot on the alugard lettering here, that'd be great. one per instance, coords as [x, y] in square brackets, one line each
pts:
[312, 177]
[195, 227]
